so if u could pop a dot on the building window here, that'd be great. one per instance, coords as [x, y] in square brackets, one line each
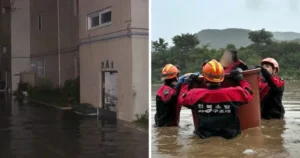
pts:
[75, 7]
[77, 66]
[99, 19]
[41, 68]
[33, 66]
[40, 21]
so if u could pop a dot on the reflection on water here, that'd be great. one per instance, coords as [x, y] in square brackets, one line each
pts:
[275, 138]
[35, 131]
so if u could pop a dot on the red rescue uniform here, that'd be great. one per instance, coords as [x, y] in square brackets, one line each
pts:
[167, 109]
[271, 92]
[214, 109]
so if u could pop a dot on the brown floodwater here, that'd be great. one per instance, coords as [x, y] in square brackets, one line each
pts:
[37, 131]
[274, 139]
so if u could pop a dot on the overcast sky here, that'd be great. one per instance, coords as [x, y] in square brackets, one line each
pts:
[173, 17]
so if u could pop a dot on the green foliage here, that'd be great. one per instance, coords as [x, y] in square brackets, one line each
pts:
[71, 91]
[22, 87]
[260, 37]
[230, 47]
[142, 120]
[185, 42]
[287, 54]
[46, 92]
[160, 45]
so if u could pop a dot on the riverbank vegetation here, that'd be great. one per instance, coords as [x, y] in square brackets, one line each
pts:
[187, 53]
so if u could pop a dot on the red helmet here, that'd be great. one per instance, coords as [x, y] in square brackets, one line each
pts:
[271, 61]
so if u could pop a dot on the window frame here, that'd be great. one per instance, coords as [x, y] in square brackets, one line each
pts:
[41, 68]
[33, 65]
[40, 22]
[99, 14]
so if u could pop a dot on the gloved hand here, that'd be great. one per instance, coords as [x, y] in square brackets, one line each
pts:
[181, 79]
[236, 75]
[192, 77]
[265, 72]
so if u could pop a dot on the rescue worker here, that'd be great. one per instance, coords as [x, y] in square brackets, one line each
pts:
[214, 108]
[230, 61]
[167, 111]
[271, 90]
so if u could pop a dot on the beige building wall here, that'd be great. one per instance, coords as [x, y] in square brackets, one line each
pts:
[58, 35]
[20, 40]
[119, 43]
[140, 77]
[68, 39]
[140, 55]
[91, 56]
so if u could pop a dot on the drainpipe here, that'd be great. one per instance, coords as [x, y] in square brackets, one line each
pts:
[6, 80]
[58, 42]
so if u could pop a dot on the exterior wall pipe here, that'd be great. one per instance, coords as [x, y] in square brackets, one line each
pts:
[58, 42]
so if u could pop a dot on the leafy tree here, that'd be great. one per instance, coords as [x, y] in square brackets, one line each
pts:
[260, 37]
[185, 42]
[160, 45]
[230, 46]
[189, 57]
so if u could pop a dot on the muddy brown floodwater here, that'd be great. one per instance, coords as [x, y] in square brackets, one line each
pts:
[37, 131]
[275, 138]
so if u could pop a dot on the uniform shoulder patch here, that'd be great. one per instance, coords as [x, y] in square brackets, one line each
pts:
[166, 92]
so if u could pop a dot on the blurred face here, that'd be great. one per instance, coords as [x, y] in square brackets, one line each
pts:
[226, 59]
[269, 67]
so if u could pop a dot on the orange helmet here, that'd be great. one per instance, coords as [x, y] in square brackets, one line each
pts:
[169, 72]
[213, 71]
[271, 61]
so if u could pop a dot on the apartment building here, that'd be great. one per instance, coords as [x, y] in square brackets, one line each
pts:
[45, 39]
[5, 44]
[113, 49]
[54, 39]
[108, 38]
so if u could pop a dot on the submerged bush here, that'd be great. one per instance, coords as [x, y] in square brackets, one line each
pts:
[142, 119]
[46, 92]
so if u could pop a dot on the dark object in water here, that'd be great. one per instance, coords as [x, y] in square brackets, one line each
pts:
[249, 114]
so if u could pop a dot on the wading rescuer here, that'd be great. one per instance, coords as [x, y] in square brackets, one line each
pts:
[230, 61]
[271, 90]
[214, 108]
[167, 111]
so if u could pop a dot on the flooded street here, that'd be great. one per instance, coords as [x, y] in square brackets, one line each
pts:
[35, 131]
[276, 138]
